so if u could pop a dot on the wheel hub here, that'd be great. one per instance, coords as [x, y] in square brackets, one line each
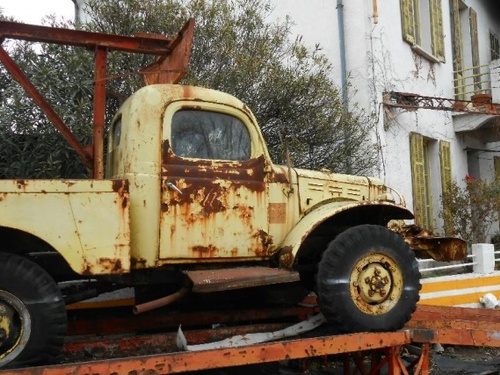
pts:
[376, 284]
[15, 327]
[8, 332]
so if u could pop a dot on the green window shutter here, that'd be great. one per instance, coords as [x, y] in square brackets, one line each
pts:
[437, 36]
[475, 48]
[457, 41]
[418, 178]
[496, 164]
[445, 161]
[408, 20]
[494, 47]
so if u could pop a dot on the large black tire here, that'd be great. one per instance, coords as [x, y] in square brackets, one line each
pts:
[32, 313]
[368, 280]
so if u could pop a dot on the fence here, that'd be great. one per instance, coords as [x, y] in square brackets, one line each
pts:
[470, 280]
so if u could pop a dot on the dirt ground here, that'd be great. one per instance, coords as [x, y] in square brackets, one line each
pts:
[466, 360]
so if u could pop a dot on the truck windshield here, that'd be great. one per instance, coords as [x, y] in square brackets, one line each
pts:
[209, 135]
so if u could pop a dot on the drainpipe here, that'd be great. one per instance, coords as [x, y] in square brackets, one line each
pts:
[343, 72]
[343, 69]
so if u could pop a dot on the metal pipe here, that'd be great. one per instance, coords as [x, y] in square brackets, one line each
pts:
[375, 11]
[99, 112]
[343, 64]
[157, 303]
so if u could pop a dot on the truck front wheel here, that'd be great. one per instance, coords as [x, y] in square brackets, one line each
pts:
[368, 280]
[32, 313]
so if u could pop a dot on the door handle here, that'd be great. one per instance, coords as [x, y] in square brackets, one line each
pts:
[173, 187]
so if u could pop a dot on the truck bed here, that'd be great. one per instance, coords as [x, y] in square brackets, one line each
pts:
[86, 221]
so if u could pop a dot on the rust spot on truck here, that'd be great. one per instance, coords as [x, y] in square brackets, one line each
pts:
[237, 171]
[102, 265]
[245, 212]
[137, 263]
[265, 240]
[209, 194]
[205, 251]
[120, 186]
[111, 265]
[286, 257]
[21, 184]
[426, 245]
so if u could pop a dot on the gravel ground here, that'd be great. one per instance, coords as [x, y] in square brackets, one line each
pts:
[466, 360]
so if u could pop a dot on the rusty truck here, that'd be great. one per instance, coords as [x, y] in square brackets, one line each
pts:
[185, 204]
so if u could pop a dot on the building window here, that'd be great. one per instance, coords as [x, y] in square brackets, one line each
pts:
[494, 47]
[458, 47]
[422, 25]
[421, 179]
[474, 35]
[446, 180]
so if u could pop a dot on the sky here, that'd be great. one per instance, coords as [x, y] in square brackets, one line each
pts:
[33, 11]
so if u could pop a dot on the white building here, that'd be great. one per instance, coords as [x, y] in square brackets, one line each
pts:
[431, 48]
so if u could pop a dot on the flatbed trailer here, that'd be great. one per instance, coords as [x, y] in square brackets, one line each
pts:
[114, 344]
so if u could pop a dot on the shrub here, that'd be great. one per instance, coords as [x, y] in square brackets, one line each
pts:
[470, 211]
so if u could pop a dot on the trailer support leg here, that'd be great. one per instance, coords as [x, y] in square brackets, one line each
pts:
[372, 362]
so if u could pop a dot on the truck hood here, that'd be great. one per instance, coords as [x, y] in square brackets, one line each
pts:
[318, 187]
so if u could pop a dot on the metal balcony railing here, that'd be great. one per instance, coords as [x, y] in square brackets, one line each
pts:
[472, 81]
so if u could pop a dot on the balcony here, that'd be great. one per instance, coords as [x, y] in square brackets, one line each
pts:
[478, 88]
[472, 83]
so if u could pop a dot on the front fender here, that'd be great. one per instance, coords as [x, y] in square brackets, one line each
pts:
[314, 218]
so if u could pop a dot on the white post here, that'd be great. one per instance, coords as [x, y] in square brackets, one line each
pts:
[484, 257]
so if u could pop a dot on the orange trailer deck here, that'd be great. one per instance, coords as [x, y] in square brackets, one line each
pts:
[119, 352]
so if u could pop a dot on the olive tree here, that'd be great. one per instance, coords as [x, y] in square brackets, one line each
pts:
[236, 49]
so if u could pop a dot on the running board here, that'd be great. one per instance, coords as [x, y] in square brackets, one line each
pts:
[207, 281]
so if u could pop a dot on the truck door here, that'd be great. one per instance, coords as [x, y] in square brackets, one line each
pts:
[214, 200]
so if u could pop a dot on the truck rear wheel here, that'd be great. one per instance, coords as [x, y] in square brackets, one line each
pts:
[368, 280]
[32, 313]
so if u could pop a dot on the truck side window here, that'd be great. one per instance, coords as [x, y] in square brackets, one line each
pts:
[117, 132]
[209, 135]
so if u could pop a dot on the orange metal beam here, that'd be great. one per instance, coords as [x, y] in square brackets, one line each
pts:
[99, 111]
[151, 44]
[227, 357]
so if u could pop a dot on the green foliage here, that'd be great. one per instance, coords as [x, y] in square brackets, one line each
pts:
[236, 50]
[31, 146]
[471, 210]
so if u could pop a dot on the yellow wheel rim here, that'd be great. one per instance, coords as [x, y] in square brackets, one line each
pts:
[376, 284]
